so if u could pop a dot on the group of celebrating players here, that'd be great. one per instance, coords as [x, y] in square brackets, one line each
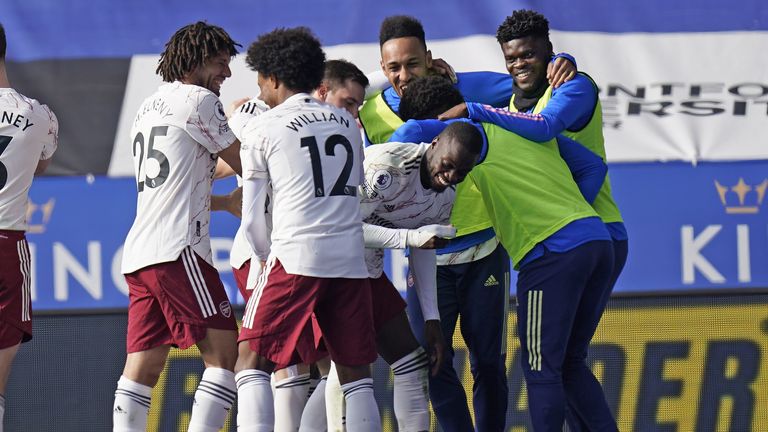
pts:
[465, 170]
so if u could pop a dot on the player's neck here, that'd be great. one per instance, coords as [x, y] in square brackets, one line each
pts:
[4, 83]
[284, 93]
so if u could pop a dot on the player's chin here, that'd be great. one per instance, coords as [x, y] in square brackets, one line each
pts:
[438, 187]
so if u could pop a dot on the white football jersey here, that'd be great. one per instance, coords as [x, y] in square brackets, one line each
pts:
[312, 154]
[29, 132]
[175, 138]
[241, 250]
[393, 196]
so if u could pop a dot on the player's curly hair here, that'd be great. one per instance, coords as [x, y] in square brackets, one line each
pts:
[399, 26]
[191, 47]
[523, 23]
[3, 43]
[293, 56]
[337, 72]
[427, 97]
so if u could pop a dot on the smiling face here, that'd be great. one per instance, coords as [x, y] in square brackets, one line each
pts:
[526, 60]
[446, 163]
[212, 74]
[402, 60]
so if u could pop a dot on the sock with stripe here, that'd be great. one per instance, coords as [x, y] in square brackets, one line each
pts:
[313, 382]
[411, 391]
[313, 419]
[213, 399]
[255, 405]
[129, 413]
[2, 411]
[290, 398]
[362, 411]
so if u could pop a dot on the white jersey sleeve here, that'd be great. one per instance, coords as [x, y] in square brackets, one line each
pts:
[245, 113]
[393, 196]
[174, 138]
[311, 153]
[207, 122]
[28, 133]
[241, 250]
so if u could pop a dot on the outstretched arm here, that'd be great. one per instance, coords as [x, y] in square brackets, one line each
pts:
[587, 169]
[423, 265]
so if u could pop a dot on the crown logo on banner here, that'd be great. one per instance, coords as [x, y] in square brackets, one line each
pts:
[38, 215]
[743, 198]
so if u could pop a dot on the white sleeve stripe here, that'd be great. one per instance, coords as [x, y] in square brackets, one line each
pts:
[23, 250]
[198, 283]
[253, 302]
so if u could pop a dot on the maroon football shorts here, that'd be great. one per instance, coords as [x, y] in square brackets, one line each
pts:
[386, 301]
[277, 316]
[175, 303]
[15, 294]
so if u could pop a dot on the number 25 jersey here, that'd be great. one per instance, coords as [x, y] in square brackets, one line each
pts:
[174, 140]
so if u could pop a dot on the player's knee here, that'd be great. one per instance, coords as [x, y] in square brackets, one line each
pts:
[348, 374]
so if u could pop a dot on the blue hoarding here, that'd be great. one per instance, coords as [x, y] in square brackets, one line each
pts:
[697, 228]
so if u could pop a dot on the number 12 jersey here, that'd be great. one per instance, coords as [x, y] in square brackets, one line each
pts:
[312, 153]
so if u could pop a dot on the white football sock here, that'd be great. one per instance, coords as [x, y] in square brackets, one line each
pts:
[362, 411]
[255, 405]
[411, 395]
[290, 397]
[334, 402]
[129, 413]
[213, 399]
[313, 419]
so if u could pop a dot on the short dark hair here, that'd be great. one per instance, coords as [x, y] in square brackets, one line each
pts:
[466, 134]
[337, 72]
[3, 43]
[293, 56]
[427, 97]
[523, 23]
[399, 26]
[190, 47]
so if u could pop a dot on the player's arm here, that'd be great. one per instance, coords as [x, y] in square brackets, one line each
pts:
[418, 131]
[561, 68]
[423, 265]
[254, 219]
[223, 170]
[231, 156]
[570, 108]
[426, 237]
[42, 165]
[50, 140]
[231, 202]
[587, 168]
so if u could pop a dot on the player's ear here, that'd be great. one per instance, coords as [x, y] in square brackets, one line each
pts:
[322, 91]
[429, 59]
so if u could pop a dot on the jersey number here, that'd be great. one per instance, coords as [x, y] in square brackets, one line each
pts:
[4, 141]
[340, 187]
[157, 155]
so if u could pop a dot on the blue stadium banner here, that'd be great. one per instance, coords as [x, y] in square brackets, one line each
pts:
[691, 228]
[76, 234]
[694, 228]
